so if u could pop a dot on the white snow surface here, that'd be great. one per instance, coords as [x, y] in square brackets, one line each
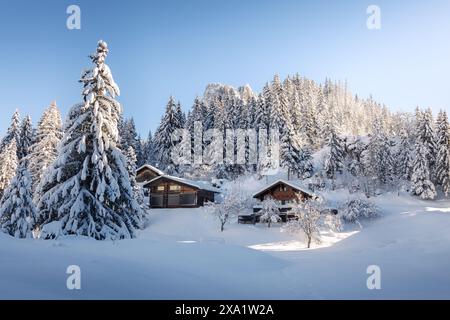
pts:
[183, 255]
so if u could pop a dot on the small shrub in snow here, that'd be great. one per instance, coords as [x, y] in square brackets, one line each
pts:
[333, 222]
[357, 209]
[50, 231]
[270, 212]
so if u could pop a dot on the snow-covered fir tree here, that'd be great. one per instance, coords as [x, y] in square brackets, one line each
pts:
[195, 124]
[131, 168]
[378, 159]
[334, 161]
[427, 136]
[17, 210]
[181, 117]
[8, 165]
[26, 138]
[43, 151]
[149, 150]
[421, 183]
[305, 166]
[130, 138]
[443, 155]
[13, 133]
[88, 188]
[404, 157]
[354, 151]
[163, 138]
[289, 149]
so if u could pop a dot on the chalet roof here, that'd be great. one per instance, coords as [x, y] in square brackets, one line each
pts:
[150, 167]
[201, 185]
[291, 184]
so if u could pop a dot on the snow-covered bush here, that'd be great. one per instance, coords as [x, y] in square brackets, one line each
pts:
[270, 212]
[50, 231]
[333, 222]
[356, 209]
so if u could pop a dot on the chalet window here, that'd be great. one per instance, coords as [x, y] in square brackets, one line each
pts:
[160, 188]
[283, 188]
[174, 187]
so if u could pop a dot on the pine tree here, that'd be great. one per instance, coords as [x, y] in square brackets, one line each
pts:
[305, 163]
[422, 185]
[404, 157]
[262, 110]
[378, 160]
[8, 165]
[443, 156]
[277, 104]
[26, 138]
[130, 138]
[426, 135]
[163, 139]
[88, 187]
[334, 161]
[17, 210]
[43, 151]
[289, 149]
[131, 168]
[149, 150]
[13, 133]
[181, 117]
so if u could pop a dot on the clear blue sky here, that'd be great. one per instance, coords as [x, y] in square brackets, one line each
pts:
[159, 48]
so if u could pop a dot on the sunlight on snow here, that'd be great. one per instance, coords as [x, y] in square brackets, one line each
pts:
[437, 209]
[327, 240]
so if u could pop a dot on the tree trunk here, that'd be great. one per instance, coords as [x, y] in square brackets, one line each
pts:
[309, 242]
[222, 226]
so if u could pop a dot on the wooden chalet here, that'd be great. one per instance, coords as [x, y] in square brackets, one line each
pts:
[286, 193]
[172, 192]
[147, 173]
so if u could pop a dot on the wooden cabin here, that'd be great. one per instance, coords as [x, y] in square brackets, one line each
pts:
[147, 173]
[286, 192]
[283, 191]
[172, 192]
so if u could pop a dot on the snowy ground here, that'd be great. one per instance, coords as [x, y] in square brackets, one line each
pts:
[182, 255]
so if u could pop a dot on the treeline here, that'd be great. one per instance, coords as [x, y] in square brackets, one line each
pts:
[362, 144]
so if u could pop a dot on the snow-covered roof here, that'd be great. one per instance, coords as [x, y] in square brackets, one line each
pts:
[150, 167]
[203, 185]
[292, 184]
